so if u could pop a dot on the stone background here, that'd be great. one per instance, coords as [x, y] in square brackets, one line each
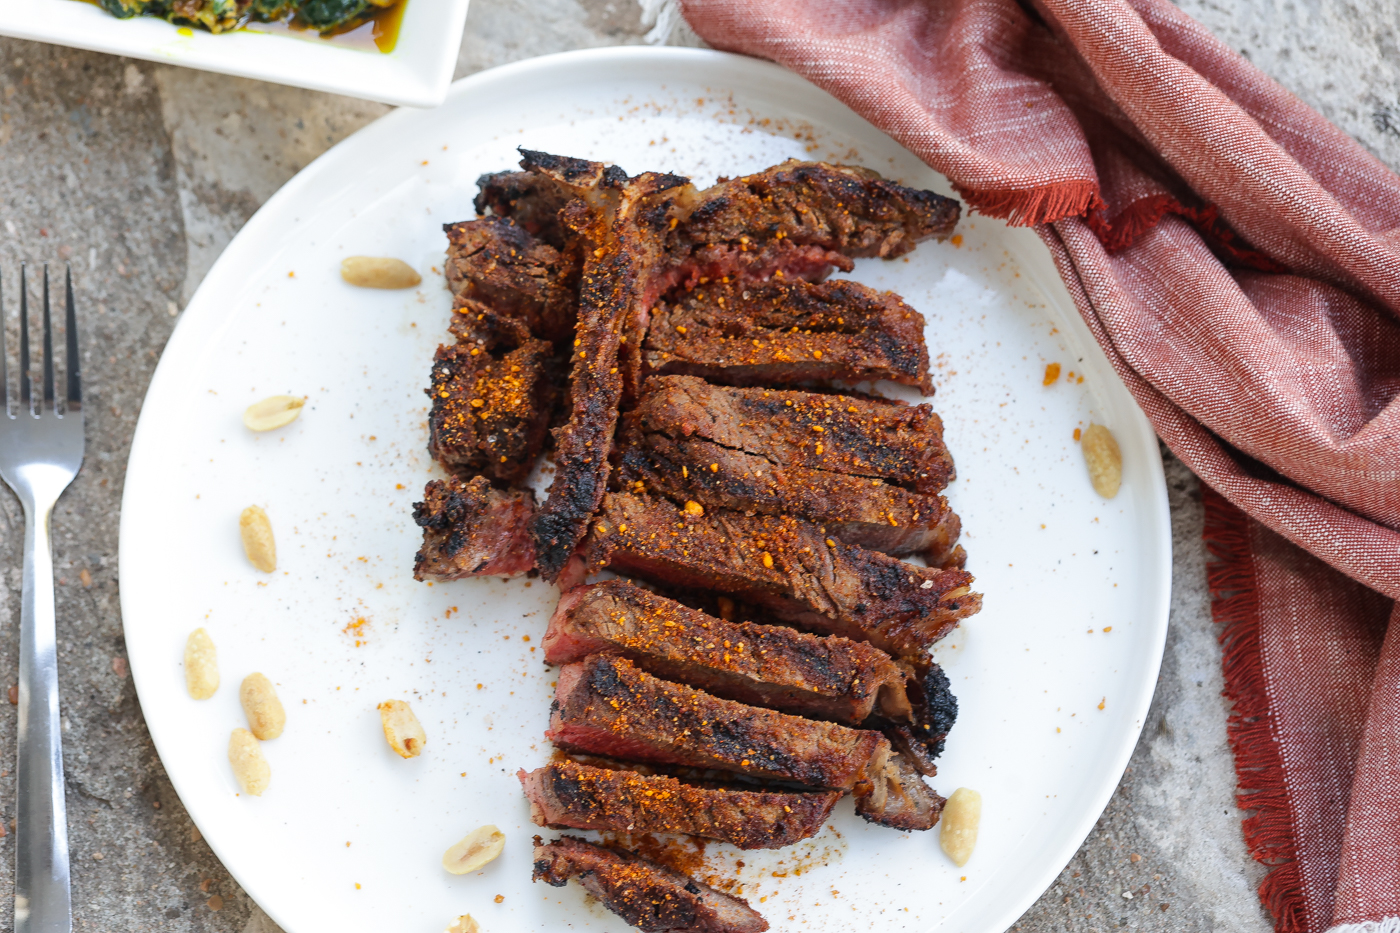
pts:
[139, 175]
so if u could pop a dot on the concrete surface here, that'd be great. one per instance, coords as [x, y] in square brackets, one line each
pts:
[140, 174]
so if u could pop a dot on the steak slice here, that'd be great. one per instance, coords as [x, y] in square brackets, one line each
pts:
[491, 414]
[532, 201]
[648, 896]
[858, 436]
[473, 530]
[570, 795]
[803, 219]
[776, 332]
[868, 513]
[788, 567]
[763, 665]
[621, 223]
[901, 799]
[605, 705]
[495, 263]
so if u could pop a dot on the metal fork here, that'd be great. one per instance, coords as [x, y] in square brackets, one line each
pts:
[41, 449]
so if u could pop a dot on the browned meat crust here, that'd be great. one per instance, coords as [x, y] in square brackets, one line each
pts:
[780, 332]
[901, 799]
[490, 414]
[803, 219]
[858, 436]
[495, 263]
[788, 567]
[764, 665]
[531, 200]
[621, 223]
[605, 705]
[473, 530]
[569, 795]
[865, 512]
[648, 896]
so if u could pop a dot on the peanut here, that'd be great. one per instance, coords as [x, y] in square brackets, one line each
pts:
[475, 849]
[266, 718]
[464, 924]
[272, 412]
[201, 665]
[249, 765]
[378, 272]
[257, 539]
[958, 835]
[402, 729]
[1104, 459]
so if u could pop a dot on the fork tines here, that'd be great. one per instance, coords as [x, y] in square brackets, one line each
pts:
[28, 404]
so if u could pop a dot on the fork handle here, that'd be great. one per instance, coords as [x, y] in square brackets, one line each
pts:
[42, 898]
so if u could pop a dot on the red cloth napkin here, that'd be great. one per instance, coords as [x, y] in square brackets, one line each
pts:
[1238, 258]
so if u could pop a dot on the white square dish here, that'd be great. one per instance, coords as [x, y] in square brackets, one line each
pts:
[416, 73]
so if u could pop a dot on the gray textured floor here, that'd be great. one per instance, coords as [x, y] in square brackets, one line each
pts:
[140, 174]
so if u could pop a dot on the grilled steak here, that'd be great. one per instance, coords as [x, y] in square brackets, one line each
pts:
[763, 665]
[802, 219]
[490, 414]
[776, 332]
[788, 567]
[569, 795]
[621, 223]
[874, 438]
[935, 710]
[495, 263]
[605, 705]
[901, 799]
[865, 512]
[648, 896]
[473, 530]
[533, 201]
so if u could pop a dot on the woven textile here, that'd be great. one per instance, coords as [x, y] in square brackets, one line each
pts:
[1238, 258]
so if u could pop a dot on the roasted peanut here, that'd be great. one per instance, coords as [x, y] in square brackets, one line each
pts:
[475, 849]
[402, 729]
[958, 835]
[273, 412]
[1104, 459]
[378, 272]
[266, 718]
[464, 924]
[249, 765]
[201, 665]
[257, 539]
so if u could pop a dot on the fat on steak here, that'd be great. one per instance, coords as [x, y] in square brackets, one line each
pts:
[650, 897]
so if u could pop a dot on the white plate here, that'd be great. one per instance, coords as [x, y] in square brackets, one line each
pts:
[416, 73]
[349, 836]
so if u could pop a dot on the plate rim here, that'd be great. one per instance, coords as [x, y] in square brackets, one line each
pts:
[199, 323]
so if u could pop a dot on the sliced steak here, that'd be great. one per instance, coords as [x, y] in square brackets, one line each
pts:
[869, 513]
[621, 223]
[605, 705]
[531, 200]
[901, 799]
[490, 414]
[858, 436]
[473, 530]
[495, 263]
[763, 665]
[780, 332]
[804, 218]
[788, 567]
[569, 795]
[648, 896]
